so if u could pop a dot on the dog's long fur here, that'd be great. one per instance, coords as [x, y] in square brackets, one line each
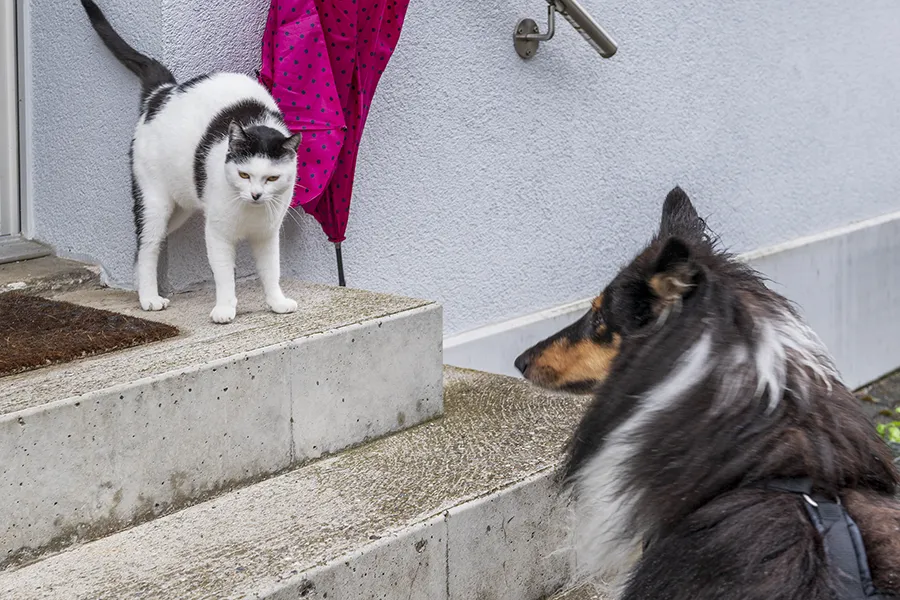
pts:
[705, 383]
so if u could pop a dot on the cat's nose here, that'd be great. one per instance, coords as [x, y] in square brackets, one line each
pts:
[256, 196]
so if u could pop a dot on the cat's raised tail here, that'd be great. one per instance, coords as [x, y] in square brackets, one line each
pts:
[152, 72]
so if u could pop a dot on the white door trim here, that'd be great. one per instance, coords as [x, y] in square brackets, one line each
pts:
[10, 220]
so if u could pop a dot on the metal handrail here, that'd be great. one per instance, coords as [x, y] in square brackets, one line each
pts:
[527, 37]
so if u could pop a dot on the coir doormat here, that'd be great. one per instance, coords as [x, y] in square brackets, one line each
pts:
[36, 332]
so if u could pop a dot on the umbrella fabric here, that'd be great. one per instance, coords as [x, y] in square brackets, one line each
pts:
[359, 37]
[296, 69]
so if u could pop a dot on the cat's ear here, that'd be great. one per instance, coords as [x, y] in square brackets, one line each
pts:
[290, 144]
[236, 134]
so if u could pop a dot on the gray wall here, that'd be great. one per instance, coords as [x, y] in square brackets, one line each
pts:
[499, 186]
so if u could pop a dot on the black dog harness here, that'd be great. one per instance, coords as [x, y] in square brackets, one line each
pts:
[843, 543]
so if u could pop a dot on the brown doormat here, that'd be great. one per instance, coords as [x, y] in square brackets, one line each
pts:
[36, 332]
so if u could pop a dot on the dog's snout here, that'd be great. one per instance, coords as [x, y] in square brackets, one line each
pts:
[523, 362]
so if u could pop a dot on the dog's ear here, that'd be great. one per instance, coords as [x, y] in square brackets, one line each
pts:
[679, 217]
[675, 272]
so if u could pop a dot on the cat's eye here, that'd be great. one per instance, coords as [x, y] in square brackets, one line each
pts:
[273, 178]
[243, 175]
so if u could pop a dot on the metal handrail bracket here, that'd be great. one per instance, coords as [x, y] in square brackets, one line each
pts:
[527, 36]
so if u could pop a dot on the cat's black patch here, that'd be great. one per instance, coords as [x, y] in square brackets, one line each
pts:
[138, 197]
[249, 114]
[156, 101]
[183, 87]
[261, 141]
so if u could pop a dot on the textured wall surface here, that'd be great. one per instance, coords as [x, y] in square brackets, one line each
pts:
[84, 107]
[499, 186]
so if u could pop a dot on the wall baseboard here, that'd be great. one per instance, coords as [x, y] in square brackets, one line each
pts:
[846, 282]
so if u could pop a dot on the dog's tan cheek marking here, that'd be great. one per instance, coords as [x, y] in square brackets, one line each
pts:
[589, 361]
[554, 357]
[546, 366]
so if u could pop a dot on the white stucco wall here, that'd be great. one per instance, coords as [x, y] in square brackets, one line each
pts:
[499, 186]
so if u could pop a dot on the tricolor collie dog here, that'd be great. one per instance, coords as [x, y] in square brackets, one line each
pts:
[722, 457]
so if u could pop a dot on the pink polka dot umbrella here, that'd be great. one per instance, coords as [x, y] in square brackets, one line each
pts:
[322, 60]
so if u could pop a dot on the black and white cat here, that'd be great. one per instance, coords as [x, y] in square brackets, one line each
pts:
[217, 143]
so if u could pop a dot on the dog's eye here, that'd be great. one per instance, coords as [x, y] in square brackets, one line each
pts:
[598, 319]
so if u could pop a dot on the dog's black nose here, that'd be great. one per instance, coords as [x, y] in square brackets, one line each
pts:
[522, 363]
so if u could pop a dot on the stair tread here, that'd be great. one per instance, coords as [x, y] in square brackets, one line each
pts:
[496, 431]
[321, 308]
[47, 274]
[14, 248]
[585, 592]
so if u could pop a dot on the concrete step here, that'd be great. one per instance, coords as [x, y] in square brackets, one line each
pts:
[584, 592]
[461, 507]
[14, 248]
[96, 445]
[47, 276]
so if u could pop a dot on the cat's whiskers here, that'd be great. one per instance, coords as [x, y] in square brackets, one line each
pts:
[272, 212]
[293, 217]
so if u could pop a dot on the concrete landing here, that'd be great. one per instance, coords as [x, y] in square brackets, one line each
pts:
[47, 275]
[99, 444]
[15, 248]
[586, 592]
[462, 507]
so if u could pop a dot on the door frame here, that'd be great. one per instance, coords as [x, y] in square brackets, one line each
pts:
[10, 200]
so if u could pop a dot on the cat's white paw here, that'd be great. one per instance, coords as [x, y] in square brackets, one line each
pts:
[282, 305]
[154, 302]
[222, 313]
